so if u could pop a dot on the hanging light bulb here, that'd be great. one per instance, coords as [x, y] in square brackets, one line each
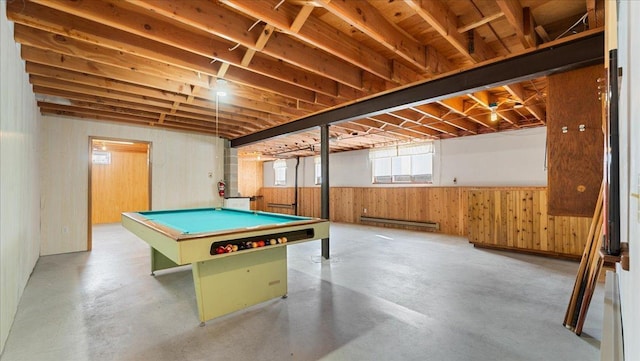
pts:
[221, 85]
[494, 111]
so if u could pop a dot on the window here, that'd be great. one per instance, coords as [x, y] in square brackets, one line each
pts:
[101, 157]
[403, 164]
[280, 171]
[318, 170]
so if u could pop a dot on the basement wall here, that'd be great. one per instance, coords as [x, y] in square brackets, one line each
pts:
[511, 158]
[20, 139]
[629, 112]
[181, 163]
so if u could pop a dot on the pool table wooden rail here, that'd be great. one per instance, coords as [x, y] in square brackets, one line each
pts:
[185, 249]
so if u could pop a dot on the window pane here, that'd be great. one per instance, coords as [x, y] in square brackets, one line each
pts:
[318, 173]
[401, 165]
[281, 176]
[382, 167]
[280, 163]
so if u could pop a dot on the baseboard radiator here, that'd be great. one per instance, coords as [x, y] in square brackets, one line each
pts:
[280, 205]
[401, 222]
[611, 346]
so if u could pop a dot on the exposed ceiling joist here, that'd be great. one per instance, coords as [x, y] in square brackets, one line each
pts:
[584, 51]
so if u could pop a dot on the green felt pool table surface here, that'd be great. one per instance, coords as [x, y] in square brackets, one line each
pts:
[206, 220]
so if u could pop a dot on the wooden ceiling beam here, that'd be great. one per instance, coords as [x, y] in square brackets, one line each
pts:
[411, 130]
[106, 104]
[583, 50]
[523, 25]
[367, 19]
[412, 119]
[234, 27]
[73, 81]
[195, 55]
[519, 93]
[444, 21]
[130, 120]
[64, 75]
[265, 34]
[73, 63]
[457, 105]
[71, 47]
[434, 111]
[87, 94]
[432, 119]
[301, 18]
[484, 20]
[482, 97]
[318, 34]
[57, 22]
[397, 132]
[510, 116]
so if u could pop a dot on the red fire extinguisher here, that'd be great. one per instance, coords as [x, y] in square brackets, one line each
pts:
[221, 187]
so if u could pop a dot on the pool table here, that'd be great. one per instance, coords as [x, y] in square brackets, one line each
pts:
[225, 280]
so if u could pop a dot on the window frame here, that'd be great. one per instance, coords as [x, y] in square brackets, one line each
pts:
[280, 168]
[317, 171]
[407, 154]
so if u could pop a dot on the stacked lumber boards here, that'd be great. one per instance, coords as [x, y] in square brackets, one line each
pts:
[590, 265]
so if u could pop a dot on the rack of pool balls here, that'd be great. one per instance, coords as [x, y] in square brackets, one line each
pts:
[240, 246]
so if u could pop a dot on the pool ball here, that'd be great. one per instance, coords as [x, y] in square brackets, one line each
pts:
[272, 241]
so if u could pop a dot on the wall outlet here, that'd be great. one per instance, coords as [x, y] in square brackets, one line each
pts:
[364, 210]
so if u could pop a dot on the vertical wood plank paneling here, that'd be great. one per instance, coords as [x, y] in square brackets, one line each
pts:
[543, 225]
[509, 218]
[122, 186]
[250, 178]
[518, 219]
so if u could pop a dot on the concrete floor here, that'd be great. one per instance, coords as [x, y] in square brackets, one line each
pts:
[385, 295]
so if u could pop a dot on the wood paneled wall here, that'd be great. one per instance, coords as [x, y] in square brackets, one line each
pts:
[426, 204]
[505, 218]
[518, 219]
[250, 178]
[122, 186]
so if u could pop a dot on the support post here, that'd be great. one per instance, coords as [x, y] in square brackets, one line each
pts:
[324, 188]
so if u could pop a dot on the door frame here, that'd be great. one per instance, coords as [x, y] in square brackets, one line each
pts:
[93, 138]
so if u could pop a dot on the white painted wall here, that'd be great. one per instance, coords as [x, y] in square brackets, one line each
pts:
[19, 178]
[513, 158]
[629, 60]
[180, 166]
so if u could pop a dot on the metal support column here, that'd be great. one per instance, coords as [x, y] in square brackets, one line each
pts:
[324, 188]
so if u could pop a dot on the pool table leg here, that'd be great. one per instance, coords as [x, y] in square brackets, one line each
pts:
[230, 284]
[159, 262]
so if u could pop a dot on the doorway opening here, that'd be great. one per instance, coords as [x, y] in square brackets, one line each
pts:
[119, 180]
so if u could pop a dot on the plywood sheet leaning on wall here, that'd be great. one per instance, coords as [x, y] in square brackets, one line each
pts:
[575, 141]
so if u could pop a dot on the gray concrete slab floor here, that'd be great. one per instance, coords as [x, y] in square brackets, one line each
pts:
[385, 294]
